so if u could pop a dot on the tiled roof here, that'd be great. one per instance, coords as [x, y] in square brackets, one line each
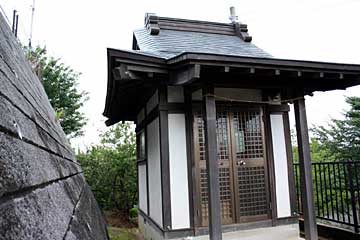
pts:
[169, 43]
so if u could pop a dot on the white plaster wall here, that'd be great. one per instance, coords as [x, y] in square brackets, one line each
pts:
[153, 101]
[155, 197]
[175, 94]
[180, 216]
[281, 167]
[142, 188]
[232, 93]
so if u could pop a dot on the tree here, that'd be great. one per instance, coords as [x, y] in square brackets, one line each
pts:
[60, 83]
[341, 138]
[338, 141]
[110, 168]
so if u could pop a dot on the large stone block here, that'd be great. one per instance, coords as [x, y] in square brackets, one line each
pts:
[43, 194]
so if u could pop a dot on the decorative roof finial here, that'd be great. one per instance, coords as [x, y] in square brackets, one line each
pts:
[241, 29]
[233, 18]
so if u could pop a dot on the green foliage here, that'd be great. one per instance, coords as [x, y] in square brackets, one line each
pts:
[133, 213]
[341, 138]
[110, 168]
[338, 141]
[317, 151]
[122, 233]
[60, 84]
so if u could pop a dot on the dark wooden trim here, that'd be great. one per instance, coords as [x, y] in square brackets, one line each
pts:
[172, 107]
[190, 154]
[258, 62]
[185, 75]
[271, 165]
[137, 183]
[141, 162]
[212, 163]
[182, 233]
[292, 189]
[148, 119]
[236, 227]
[196, 168]
[234, 185]
[131, 55]
[164, 159]
[307, 198]
[291, 182]
[287, 220]
[147, 170]
[166, 234]
[138, 136]
[266, 166]
[279, 108]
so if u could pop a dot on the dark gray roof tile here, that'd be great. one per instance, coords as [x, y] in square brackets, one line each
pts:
[170, 43]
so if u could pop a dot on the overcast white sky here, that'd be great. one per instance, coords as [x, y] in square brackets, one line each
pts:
[79, 32]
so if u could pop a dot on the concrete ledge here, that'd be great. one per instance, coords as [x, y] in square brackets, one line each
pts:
[331, 232]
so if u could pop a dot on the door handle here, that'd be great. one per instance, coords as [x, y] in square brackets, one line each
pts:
[241, 163]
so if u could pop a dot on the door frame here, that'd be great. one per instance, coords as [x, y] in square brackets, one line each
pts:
[268, 159]
[262, 113]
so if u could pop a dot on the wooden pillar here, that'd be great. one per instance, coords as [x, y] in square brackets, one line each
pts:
[164, 156]
[190, 155]
[209, 116]
[307, 198]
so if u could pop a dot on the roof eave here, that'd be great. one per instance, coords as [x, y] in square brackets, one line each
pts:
[129, 57]
[273, 62]
[184, 69]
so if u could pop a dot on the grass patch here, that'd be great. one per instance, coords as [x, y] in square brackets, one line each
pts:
[123, 233]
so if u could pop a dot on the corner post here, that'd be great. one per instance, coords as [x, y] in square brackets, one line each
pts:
[307, 197]
[164, 159]
[209, 116]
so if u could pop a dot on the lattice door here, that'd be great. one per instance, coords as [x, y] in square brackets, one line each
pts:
[225, 168]
[250, 174]
[242, 168]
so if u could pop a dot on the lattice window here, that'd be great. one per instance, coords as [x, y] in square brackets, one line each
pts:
[248, 135]
[225, 194]
[252, 191]
[201, 136]
[221, 135]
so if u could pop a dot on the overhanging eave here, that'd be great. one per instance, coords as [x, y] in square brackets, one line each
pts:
[133, 75]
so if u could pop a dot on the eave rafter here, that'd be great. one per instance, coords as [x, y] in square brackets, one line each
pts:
[135, 72]
[185, 75]
[132, 74]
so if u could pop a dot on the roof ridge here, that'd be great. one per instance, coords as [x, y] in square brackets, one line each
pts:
[155, 23]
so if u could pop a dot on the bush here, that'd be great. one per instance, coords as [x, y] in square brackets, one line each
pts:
[110, 168]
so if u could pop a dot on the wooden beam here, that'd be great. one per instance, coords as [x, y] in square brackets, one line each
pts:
[186, 75]
[122, 73]
[212, 163]
[307, 198]
[146, 69]
[164, 157]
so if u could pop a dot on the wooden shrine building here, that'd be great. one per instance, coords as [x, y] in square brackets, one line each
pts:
[213, 137]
